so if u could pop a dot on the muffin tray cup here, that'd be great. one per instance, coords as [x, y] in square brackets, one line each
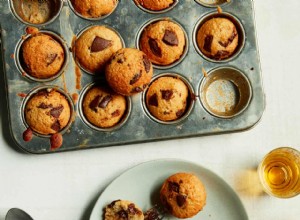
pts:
[128, 20]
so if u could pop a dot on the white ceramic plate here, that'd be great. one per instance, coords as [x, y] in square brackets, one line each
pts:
[141, 185]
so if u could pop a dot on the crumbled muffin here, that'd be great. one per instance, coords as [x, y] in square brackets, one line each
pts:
[155, 5]
[123, 210]
[129, 71]
[95, 46]
[94, 8]
[218, 38]
[183, 195]
[166, 98]
[42, 56]
[47, 112]
[163, 42]
[102, 107]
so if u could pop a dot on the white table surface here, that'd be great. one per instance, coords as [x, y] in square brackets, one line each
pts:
[65, 186]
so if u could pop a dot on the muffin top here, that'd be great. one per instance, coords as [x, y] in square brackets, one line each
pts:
[183, 195]
[129, 71]
[217, 38]
[123, 210]
[155, 5]
[163, 42]
[47, 112]
[102, 107]
[42, 56]
[166, 98]
[95, 46]
[94, 8]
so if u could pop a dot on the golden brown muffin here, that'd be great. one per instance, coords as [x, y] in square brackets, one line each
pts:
[155, 5]
[94, 8]
[102, 107]
[129, 71]
[42, 56]
[95, 46]
[163, 42]
[47, 112]
[123, 210]
[217, 38]
[183, 195]
[166, 98]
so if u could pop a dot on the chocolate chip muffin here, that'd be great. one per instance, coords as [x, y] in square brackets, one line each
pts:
[94, 8]
[218, 38]
[42, 56]
[163, 42]
[166, 98]
[95, 46]
[123, 210]
[47, 112]
[183, 195]
[102, 107]
[129, 71]
[155, 5]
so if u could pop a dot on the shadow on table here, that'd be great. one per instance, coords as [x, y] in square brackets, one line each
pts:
[4, 114]
[88, 211]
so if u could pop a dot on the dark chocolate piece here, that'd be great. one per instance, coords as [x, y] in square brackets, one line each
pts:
[147, 63]
[174, 187]
[56, 126]
[135, 78]
[154, 47]
[104, 102]
[100, 44]
[93, 105]
[170, 38]
[55, 112]
[153, 100]
[166, 94]
[179, 113]
[207, 43]
[50, 58]
[45, 106]
[181, 200]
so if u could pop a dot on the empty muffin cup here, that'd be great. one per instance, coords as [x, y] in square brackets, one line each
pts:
[213, 3]
[47, 110]
[219, 37]
[169, 99]
[48, 65]
[93, 10]
[156, 7]
[225, 92]
[101, 109]
[165, 50]
[36, 13]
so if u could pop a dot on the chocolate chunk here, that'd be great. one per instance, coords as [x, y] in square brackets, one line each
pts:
[174, 187]
[136, 89]
[113, 203]
[221, 54]
[166, 94]
[132, 210]
[45, 106]
[43, 92]
[179, 113]
[27, 135]
[116, 113]
[121, 60]
[55, 112]
[153, 100]
[122, 214]
[100, 44]
[207, 43]
[55, 126]
[50, 58]
[229, 40]
[170, 38]
[154, 47]
[147, 63]
[56, 141]
[93, 105]
[135, 78]
[181, 199]
[104, 102]
[151, 214]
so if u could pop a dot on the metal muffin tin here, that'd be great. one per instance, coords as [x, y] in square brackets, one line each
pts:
[128, 20]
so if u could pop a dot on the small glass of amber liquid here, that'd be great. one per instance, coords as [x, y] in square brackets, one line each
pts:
[279, 172]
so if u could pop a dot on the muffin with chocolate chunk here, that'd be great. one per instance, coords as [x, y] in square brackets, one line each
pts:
[47, 112]
[183, 195]
[95, 46]
[129, 71]
[42, 56]
[218, 38]
[167, 98]
[102, 107]
[155, 5]
[163, 42]
[94, 8]
[123, 209]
